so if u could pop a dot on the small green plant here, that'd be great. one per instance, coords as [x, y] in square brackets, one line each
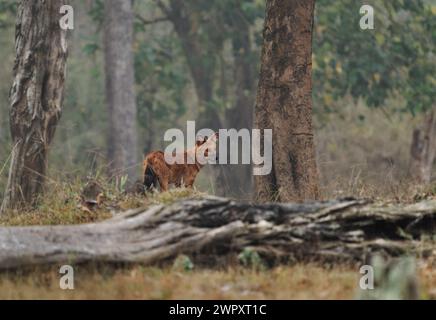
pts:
[122, 183]
[250, 258]
[183, 263]
[393, 279]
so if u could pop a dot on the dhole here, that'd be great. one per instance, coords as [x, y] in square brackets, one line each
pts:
[157, 170]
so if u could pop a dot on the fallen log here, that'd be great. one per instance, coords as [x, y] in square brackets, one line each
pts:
[342, 230]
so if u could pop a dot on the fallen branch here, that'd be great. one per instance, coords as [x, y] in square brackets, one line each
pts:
[340, 230]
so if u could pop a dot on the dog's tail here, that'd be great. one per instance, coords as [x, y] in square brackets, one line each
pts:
[150, 177]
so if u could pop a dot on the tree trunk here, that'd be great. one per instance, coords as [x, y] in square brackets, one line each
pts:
[202, 71]
[120, 95]
[36, 97]
[423, 149]
[239, 178]
[284, 102]
[213, 229]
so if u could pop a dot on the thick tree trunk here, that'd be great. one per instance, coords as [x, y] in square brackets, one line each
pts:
[36, 97]
[423, 149]
[120, 95]
[284, 102]
[215, 228]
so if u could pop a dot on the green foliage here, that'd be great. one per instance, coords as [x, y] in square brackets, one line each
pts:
[183, 263]
[394, 280]
[90, 48]
[97, 12]
[8, 9]
[397, 57]
[161, 80]
[250, 258]
[121, 183]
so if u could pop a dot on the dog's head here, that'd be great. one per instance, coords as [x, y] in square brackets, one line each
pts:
[206, 146]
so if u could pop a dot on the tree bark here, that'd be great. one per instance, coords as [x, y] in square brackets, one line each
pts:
[36, 98]
[284, 102]
[212, 229]
[423, 149]
[120, 95]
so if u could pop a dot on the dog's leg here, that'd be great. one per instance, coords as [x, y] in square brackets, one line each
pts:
[164, 179]
[150, 178]
[163, 184]
[189, 181]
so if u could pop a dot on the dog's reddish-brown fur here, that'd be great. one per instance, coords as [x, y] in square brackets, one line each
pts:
[157, 170]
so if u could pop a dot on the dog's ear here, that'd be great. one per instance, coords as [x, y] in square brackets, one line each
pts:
[200, 141]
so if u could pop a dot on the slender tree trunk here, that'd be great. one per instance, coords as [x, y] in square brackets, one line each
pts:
[423, 149]
[120, 95]
[36, 97]
[202, 71]
[238, 178]
[284, 102]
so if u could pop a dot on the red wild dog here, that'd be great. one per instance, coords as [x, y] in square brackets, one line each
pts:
[157, 171]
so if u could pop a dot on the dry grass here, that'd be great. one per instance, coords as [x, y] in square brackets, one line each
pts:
[62, 206]
[363, 152]
[308, 281]
[298, 282]
[428, 279]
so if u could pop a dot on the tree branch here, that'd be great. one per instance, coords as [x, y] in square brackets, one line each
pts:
[152, 21]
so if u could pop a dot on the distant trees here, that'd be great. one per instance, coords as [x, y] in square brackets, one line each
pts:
[240, 115]
[120, 93]
[201, 59]
[284, 102]
[395, 59]
[35, 98]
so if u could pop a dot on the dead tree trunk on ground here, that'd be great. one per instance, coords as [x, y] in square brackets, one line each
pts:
[214, 228]
[36, 97]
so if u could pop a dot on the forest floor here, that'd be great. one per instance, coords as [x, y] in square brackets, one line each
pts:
[297, 282]
[301, 281]
[172, 281]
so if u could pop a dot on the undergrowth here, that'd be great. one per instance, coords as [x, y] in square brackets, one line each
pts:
[61, 204]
